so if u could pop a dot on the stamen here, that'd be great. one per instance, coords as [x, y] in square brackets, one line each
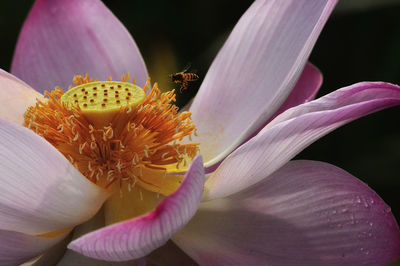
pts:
[81, 147]
[141, 194]
[117, 143]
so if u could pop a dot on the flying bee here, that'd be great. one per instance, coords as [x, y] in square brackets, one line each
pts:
[183, 78]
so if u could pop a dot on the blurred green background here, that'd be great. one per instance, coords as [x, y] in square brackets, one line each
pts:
[360, 42]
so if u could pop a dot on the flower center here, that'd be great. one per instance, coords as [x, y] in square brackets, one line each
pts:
[115, 135]
[100, 101]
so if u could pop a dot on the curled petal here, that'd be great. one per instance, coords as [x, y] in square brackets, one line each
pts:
[305, 90]
[255, 71]
[295, 129]
[73, 258]
[15, 97]
[138, 237]
[63, 38]
[133, 204]
[306, 213]
[40, 190]
[16, 248]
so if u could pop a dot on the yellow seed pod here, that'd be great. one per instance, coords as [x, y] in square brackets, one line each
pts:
[100, 101]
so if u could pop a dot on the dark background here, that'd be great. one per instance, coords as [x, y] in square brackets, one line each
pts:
[356, 45]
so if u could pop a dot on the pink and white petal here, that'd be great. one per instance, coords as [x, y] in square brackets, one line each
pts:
[73, 258]
[295, 129]
[305, 90]
[138, 237]
[255, 71]
[306, 213]
[63, 38]
[15, 97]
[40, 190]
[16, 248]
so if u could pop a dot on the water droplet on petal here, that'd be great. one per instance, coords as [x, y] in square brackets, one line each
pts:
[371, 201]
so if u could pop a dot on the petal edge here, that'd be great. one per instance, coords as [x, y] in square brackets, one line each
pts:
[293, 130]
[138, 237]
[306, 213]
[63, 38]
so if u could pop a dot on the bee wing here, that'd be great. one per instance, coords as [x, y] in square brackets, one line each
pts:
[193, 71]
[188, 65]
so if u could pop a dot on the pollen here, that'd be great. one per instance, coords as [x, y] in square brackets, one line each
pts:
[115, 135]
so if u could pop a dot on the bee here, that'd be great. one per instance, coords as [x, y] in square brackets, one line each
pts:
[183, 78]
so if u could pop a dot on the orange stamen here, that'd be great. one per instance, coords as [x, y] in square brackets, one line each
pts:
[133, 148]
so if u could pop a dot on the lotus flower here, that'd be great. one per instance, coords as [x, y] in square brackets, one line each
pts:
[254, 112]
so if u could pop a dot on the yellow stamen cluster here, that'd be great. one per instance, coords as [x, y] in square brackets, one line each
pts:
[114, 134]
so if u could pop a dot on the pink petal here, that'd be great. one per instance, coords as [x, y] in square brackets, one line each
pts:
[15, 97]
[73, 258]
[40, 190]
[16, 248]
[295, 129]
[306, 213]
[255, 71]
[138, 237]
[63, 38]
[305, 90]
